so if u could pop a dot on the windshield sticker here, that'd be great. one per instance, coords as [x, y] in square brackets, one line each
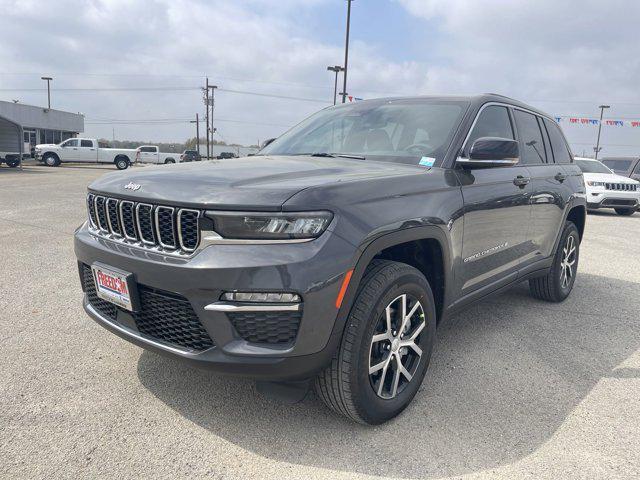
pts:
[427, 161]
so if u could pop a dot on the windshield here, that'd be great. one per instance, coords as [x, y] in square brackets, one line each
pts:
[402, 131]
[592, 166]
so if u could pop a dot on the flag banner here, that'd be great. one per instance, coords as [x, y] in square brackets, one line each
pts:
[595, 122]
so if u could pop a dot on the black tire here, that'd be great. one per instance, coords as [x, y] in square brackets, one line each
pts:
[625, 211]
[346, 385]
[122, 163]
[169, 160]
[12, 162]
[552, 287]
[51, 160]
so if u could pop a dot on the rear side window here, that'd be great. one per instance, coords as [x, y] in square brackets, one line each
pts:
[558, 145]
[618, 165]
[86, 143]
[148, 149]
[531, 137]
[494, 121]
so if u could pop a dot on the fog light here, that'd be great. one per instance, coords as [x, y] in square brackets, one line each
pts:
[261, 297]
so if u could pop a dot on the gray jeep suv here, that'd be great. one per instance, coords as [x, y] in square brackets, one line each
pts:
[329, 258]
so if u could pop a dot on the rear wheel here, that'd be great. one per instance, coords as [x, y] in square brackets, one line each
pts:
[51, 160]
[625, 211]
[386, 346]
[169, 160]
[12, 161]
[122, 163]
[558, 283]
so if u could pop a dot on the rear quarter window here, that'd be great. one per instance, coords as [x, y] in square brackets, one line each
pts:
[561, 153]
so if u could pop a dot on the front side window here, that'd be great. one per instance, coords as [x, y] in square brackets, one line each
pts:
[558, 145]
[71, 143]
[531, 137]
[493, 121]
[401, 131]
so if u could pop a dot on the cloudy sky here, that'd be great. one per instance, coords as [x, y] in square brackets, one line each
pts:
[134, 67]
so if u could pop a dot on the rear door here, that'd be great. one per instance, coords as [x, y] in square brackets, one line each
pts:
[87, 151]
[148, 154]
[550, 189]
[496, 211]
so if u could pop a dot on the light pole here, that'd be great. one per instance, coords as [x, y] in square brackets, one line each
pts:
[48, 79]
[337, 69]
[346, 53]
[597, 148]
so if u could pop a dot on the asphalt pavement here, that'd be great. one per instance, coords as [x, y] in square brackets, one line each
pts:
[517, 388]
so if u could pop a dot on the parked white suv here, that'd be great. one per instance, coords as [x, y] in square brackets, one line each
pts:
[83, 150]
[606, 189]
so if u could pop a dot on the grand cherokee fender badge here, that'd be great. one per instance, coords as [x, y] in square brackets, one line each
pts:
[132, 186]
[485, 252]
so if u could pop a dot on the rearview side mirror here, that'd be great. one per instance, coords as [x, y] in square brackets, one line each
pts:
[489, 152]
[267, 142]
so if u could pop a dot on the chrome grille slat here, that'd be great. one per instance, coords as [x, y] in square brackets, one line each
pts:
[128, 219]
[165, 226]
[144, 221]
[101, 213]
[188, 232]
[159, 228]
[113, 219]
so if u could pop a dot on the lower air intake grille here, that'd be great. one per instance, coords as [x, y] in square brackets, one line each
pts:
[267, 327]
[163, 316]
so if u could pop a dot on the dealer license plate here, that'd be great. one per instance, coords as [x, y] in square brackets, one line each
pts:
[113, 286]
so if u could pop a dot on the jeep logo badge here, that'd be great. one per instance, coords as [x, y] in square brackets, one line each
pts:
[132, 186]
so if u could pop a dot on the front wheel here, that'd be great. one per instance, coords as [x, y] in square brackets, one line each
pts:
[625, 211]
[386, 346]
[169, 161]
[51, 160]
[558, 283]
[122, 163]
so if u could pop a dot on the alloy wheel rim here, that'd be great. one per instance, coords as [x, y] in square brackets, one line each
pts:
[395, 352]
[568, 262]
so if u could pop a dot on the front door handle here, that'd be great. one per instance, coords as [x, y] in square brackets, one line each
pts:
[560, 177]
[521, 181]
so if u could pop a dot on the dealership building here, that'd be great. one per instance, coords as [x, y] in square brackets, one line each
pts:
[24, 126]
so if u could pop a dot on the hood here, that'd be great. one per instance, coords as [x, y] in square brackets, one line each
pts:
[607, 177]
[262, 183]
[40, 145]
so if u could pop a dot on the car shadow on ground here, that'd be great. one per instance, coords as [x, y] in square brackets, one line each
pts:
[505, 375]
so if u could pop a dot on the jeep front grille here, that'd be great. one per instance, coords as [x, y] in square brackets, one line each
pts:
[622, 187]
[159, 227]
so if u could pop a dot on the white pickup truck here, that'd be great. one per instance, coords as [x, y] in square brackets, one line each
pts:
[84, 150]
[152, 154]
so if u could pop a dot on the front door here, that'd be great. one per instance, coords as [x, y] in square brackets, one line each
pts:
[496, 212]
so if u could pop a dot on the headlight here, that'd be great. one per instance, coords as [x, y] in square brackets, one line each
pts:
[595, 184]
[270, 226]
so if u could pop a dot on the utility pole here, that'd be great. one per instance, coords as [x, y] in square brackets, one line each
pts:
[212, 101]
[48, 79]
[197, 122]
[337, 69]
[597, 147]
[206, 104]
[346, 54]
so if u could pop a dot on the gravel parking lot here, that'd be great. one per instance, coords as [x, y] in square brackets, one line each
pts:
[517, 388]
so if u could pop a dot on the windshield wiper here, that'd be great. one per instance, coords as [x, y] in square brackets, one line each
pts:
[334, 155]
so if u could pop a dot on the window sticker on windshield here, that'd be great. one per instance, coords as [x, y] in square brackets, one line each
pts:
[427, 161]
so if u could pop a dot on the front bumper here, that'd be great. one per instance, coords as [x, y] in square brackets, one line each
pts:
[612, 199]
[314, 270]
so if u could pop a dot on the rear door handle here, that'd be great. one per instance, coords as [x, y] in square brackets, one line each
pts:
[560, 177]
[521, 181]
